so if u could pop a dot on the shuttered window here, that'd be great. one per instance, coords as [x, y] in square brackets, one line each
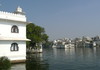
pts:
[14, 29]
[14, 47]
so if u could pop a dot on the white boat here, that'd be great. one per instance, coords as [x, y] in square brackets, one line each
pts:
[61, 46]
[66, 46]
[54, 46]
[69, 46]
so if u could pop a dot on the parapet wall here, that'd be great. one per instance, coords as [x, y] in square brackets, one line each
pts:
[12, 16]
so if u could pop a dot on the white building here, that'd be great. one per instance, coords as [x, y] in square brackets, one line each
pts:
[13, 35]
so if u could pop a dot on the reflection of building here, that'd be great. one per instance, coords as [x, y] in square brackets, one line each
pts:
[69, 51]
[13, 35]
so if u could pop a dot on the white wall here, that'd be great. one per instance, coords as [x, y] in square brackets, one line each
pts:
[13, 55]
[12, 16]
[7, 20]
[5, 29]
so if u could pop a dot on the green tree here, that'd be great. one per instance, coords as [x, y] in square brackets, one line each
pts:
[36, 34]
[5, 63]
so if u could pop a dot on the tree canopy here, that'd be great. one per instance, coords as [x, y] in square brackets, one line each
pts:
[36, 34]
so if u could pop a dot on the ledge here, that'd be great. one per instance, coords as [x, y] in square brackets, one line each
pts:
[18, 61]
[13, 39]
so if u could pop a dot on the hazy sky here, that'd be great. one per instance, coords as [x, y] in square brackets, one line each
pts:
[60, 18]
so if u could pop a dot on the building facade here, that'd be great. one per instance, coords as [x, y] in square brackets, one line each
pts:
[13, 35]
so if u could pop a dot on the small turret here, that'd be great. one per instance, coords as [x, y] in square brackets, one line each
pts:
[19, 11]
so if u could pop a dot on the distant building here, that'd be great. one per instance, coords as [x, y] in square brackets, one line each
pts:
[13, 35]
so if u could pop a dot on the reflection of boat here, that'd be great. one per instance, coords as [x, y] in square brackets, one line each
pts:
[69, 51]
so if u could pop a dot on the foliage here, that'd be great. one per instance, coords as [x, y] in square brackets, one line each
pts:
[4, 63]
[48, 44]
[36, 34]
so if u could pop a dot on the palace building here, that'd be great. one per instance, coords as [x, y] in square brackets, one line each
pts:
[13, 35]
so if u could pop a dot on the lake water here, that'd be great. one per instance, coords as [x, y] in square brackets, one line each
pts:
[62, 59]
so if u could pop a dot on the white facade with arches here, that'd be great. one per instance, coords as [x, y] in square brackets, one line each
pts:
[13, 35]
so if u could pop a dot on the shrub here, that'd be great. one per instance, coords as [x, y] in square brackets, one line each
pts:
[4, 63]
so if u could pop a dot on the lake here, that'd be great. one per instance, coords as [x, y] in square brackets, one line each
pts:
[62, 59]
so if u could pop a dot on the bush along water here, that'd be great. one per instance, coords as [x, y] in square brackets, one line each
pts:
[5, 63]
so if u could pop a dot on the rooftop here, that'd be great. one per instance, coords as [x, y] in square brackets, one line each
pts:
[18, 15]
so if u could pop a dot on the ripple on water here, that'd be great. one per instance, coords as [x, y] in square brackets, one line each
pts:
[18, 67]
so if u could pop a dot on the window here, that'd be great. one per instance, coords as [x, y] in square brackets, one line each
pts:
[14, 47]
[14, 29]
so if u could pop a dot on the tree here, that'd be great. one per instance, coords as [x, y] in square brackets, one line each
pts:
[36, 34]
[5, 63]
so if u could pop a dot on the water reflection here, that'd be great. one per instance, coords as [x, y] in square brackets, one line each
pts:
[85, 52]
[82, 52]
[63, 59]
[36, 62]
[18, 67]
[77, 59]
[70, 51]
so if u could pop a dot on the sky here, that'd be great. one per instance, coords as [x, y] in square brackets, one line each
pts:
[60, 18]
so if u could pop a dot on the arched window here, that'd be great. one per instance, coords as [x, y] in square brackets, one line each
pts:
[14, 29]
[14, 47]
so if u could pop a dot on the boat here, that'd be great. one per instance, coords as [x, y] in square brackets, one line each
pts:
[69, 46]
[60, 46]
[54, 46]
[66, 46]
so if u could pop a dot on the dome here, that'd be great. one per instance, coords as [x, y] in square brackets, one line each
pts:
[19, 11]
